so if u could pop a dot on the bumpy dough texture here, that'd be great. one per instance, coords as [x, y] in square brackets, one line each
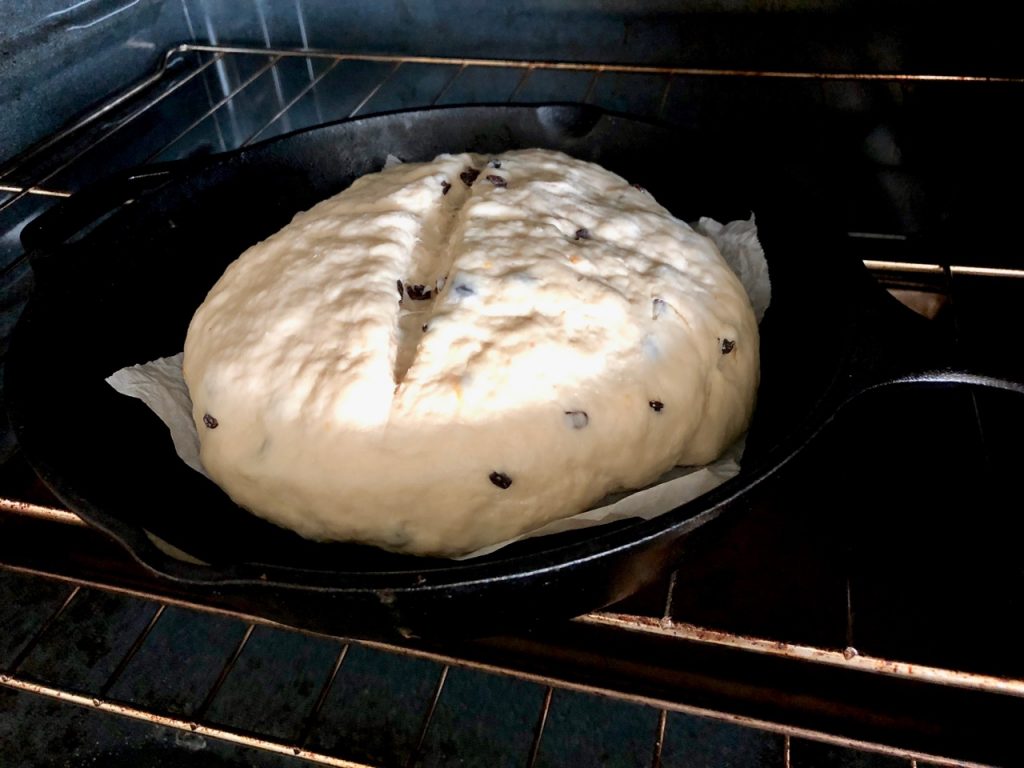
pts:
[583, 341]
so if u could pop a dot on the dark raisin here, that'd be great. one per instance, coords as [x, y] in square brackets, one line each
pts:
[418, 292]
[464, 290]
[445, 187]
[500, 479]
[658, 308]
[583, 234]
[495, 163]
[577, 419]
[496, 180]
[468, 176]
[210, 422]
[401, 290]
[424, 327]
[656, 405]
[728, 345]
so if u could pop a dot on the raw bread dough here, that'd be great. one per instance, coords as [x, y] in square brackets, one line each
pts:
[560, 335]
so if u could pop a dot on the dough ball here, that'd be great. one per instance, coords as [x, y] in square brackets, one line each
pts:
[448, 354]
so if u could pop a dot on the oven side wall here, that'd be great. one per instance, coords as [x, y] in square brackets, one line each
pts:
[58, 57]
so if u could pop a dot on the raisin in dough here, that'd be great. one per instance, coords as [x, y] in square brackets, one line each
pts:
[451, 353]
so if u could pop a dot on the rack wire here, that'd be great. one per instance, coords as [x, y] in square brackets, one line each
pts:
[196, 722]
[660, 626]
[23, 176]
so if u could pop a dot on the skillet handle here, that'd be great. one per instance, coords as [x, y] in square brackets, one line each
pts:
[84, 210]
[901, 348]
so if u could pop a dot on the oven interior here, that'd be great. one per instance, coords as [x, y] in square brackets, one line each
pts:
[862, 608]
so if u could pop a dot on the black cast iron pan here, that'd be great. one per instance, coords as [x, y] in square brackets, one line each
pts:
[122, 266]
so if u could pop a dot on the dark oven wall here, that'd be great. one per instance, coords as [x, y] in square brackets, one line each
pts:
[59, 57]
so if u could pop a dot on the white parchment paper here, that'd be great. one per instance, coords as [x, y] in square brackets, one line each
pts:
[160, 385]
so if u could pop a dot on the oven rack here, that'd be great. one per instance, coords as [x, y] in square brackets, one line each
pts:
[214, 98]
[62, 163]
[200, 713]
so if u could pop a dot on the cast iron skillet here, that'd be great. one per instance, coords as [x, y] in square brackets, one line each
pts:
[122, 266]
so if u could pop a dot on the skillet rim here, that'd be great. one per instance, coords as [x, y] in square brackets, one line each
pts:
[597, 545]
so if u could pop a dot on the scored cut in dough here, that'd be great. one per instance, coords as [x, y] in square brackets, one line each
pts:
[448, 354]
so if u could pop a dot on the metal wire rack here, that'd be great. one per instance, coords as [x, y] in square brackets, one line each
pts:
[98, 697]
[206, 98]
[48, 169]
